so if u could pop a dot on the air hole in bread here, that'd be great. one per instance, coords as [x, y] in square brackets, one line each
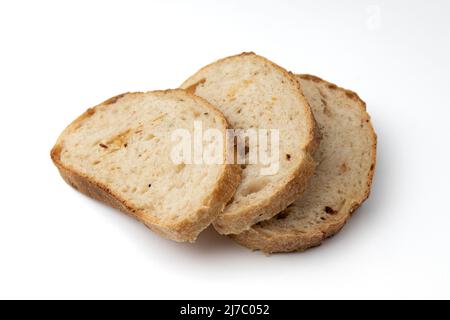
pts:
[329, 210]
[254, 186]
[282, 215]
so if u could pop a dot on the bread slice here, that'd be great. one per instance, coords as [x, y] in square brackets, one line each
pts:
[119, 152]
[253, 92]
[343, 177]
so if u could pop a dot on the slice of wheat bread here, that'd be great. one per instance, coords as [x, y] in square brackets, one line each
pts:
[253, 92]
[342, 181]
[119, 152]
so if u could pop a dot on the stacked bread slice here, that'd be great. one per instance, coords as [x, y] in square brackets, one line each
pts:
[253, 92]
[342, 180]
[121, 152]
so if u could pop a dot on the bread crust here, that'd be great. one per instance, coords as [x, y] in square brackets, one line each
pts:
[185, 230]
[291, 241]
[245, 218]
[242, 219]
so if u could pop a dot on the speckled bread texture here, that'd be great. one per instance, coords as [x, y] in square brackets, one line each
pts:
[253, 92]
[119, 153]
[342, 181]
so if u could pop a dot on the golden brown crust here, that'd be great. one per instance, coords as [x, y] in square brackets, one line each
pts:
[114, 99]
[257, 239]
[186, 230]
[250, 214]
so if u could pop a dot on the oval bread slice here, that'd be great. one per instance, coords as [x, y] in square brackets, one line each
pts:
[255, 93]
[119, 152]
[342, 181]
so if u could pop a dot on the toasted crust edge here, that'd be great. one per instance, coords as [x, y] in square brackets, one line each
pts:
[242, 220]
[290, 242]
[247, 217]
[186, 230]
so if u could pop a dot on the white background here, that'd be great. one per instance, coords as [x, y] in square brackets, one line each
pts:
[58, 58]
